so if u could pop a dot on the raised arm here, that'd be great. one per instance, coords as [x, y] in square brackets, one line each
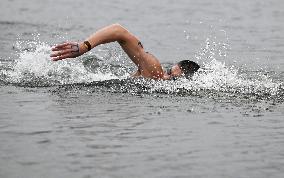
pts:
[148, 65]
[112, 33]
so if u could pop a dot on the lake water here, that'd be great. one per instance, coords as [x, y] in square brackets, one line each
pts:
[86, 117]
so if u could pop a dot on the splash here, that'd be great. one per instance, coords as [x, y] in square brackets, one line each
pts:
[216, 77]
[34, 67]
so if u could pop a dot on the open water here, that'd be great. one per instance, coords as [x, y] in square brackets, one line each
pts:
[86, 117]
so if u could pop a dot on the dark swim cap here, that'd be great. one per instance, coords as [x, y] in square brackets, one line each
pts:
[188, 67]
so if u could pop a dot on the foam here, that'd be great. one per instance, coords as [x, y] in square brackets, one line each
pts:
[35, 68]
[216, 76]
[37, 64]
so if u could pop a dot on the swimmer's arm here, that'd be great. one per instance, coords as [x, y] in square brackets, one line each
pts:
[108, 34]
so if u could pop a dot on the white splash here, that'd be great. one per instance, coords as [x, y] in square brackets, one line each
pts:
[216, 76]
[37, 67]
[38, 64]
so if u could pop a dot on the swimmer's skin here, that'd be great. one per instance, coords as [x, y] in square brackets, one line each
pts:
[148, 65]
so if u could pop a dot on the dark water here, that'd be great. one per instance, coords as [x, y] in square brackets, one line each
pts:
[87, 118]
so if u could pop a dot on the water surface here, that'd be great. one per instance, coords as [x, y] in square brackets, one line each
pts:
[87, 118]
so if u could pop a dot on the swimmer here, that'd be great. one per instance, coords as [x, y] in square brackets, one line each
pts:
[148, 65]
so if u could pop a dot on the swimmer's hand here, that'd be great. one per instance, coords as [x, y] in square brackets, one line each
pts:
[67, 50]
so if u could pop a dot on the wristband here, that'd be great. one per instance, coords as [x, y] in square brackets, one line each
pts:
[87, 45]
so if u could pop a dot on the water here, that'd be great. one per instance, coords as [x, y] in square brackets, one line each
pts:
[87, 118]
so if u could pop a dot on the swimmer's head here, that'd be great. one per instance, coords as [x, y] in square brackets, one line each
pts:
[186, 68]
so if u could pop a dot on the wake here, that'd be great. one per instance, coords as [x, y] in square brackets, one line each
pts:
[34, 68]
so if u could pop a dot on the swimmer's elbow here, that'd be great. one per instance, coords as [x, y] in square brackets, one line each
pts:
[120, 32]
